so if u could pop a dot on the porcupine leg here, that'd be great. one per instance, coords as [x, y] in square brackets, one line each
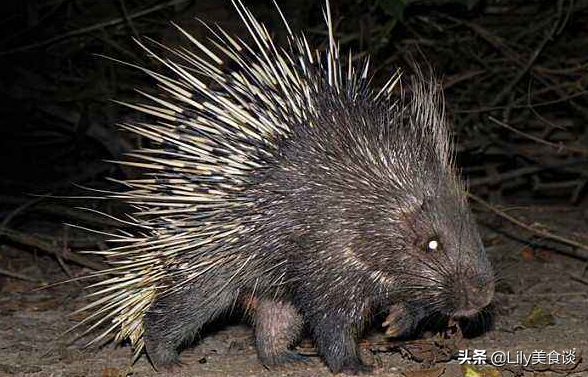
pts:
[337, 334]
[174, 320]
[277, 326]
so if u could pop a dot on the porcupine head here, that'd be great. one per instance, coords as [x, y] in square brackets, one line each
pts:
[295, 190]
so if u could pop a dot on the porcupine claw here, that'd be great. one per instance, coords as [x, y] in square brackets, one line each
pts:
[401, 320]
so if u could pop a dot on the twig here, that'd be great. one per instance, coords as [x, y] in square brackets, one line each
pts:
[577, 278]
[527, 170]
[29, 240]
[542, 233]
[94, 27]
[525, 106]
[74, 214]
[65, 251]
[18, 210]
[123, 7]
[559, 147]
[522, 72]
[19, 276]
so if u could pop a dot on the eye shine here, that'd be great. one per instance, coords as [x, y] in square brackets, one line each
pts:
[433, 245]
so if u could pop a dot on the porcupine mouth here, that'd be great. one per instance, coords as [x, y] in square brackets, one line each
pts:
[475, 299]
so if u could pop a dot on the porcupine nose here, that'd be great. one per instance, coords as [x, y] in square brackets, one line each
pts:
[476, 294]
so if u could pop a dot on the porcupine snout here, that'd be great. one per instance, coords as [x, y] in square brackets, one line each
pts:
[474, 292]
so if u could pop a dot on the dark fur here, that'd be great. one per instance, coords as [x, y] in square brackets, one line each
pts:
[338, 231]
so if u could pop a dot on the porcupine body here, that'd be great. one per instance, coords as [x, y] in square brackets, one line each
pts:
[295, 190]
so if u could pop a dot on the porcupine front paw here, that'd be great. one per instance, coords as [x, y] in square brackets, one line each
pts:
[402, 319]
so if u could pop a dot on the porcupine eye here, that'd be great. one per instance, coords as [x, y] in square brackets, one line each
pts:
[433, 245]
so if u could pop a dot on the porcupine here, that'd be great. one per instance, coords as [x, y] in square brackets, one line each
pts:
[295, 189]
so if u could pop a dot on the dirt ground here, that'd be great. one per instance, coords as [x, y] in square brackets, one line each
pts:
[541, 304]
